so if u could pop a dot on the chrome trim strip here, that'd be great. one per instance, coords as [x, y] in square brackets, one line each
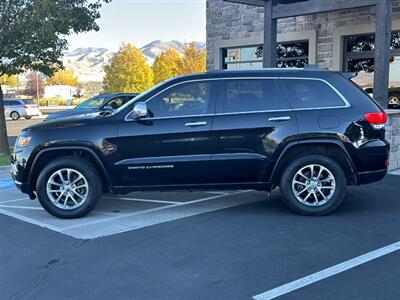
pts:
[347, 104]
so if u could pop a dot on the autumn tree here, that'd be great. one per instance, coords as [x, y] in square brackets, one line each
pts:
[63, 77]
[33, 37]
[34, 85]
[194, 60]
[11, 81]
[167, 65]
[128, 71]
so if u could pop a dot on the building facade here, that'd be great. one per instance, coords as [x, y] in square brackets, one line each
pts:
[340, 41]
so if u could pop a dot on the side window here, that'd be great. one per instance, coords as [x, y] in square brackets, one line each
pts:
[6, 103]
[303, 93]
[246, 95]
[192, 98]
[117, 102]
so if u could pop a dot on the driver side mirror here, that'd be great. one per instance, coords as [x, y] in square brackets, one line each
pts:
[140, 110]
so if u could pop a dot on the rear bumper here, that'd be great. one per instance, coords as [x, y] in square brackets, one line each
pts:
[371, 176]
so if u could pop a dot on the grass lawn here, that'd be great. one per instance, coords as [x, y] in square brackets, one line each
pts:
[5, 159]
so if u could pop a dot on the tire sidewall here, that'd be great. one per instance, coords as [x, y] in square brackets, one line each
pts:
[87, 170]
[290, 199]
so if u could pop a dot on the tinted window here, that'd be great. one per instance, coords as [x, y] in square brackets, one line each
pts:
[311, 94]
[30, 102]
[15, 103]
[117, 102]
[182, 100]
[6, 103]
[245, 95]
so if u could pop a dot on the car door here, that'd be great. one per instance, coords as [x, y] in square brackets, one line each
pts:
[7, 108]
[172, 146]
[251, 121]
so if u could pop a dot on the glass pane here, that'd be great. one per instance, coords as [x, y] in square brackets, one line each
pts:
[184, 99]
[307, 94]
[293, 63]
[250, 95]
[360, 43]
[245, 66]
[293, 49]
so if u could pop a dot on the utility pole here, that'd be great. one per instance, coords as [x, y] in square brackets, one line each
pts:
[37, 88]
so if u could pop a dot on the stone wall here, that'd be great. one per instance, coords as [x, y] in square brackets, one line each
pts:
[232, 21]
[393, 137]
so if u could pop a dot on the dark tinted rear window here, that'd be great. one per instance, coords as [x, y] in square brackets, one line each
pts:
[247, 95]
[30, 102]
[310, 93]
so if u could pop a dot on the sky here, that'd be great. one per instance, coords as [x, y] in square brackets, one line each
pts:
[142, 21]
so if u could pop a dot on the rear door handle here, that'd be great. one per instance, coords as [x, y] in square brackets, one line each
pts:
[195, 124]
[279, 119]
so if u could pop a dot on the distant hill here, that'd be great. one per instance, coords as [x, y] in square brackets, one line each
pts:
[88, 63]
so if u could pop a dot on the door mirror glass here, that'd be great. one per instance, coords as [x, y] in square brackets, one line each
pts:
[140, 110]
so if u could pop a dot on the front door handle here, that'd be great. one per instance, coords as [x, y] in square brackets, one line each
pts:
[279, 119]
[195, 124]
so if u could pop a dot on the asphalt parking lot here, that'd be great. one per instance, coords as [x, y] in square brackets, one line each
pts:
[202, 245]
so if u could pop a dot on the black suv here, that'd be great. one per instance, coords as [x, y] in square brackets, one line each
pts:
[312, 133]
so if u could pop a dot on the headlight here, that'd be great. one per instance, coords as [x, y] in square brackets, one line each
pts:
[24, 141]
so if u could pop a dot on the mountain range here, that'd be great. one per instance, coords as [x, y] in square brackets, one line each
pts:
[88, 63]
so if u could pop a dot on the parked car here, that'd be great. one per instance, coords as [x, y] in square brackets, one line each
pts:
[311, 133]
[94, 104]
[17, 108]
[394, 97]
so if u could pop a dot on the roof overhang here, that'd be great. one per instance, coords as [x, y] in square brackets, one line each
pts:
[292, 8]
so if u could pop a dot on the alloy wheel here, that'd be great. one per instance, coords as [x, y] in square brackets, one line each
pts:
[67, 189]
[313, 185]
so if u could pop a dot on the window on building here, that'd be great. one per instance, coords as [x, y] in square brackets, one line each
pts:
[190, 98]
[289, 55]
[310, 94]
[245, 95]
[358, 57]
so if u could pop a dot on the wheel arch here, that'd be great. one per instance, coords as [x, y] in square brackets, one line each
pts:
[46, 155]
[332, 148]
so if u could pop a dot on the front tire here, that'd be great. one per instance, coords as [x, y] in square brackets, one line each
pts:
[14, 116]
[313, 185]
[69, 188]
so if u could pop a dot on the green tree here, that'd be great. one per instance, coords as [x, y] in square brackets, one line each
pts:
[11, 81]
[194, 60]
[63, 77]
[166, 65]
[128, 72]
[32, 37]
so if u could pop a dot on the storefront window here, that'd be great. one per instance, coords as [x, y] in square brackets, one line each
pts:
[289, 55]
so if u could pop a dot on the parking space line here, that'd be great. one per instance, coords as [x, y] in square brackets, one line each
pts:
[29, 220]
[336, 269]
[15, 200]
[143, 200]
[147, 211]
[21, 206]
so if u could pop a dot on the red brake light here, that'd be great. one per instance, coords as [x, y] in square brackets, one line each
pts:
[377, 118]
[26, 106]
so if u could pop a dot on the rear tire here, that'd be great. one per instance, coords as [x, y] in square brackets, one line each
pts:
[28, 117]
[69, 187]
[313, 194]
[14, 115]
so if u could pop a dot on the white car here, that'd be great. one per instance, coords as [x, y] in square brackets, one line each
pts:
[17, 108]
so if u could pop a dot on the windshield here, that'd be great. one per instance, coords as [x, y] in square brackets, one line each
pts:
[94, 102]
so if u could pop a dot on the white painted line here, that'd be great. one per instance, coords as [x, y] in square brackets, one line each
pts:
[339, 268]
[29, 220]
[143, 200]
[22, 207]
[146, 211]
[15, 200]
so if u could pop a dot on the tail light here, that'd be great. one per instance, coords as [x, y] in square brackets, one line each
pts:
[376, 119]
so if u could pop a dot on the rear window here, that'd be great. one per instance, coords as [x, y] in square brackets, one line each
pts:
[248, 95]
[310, 93]
[29, 102]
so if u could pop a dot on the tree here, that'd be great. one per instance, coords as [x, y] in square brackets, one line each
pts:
[128, 72]
[166, 65]
[32, 37]
[11, 81]
[194, 60]
[63, 77]
[34, 85]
